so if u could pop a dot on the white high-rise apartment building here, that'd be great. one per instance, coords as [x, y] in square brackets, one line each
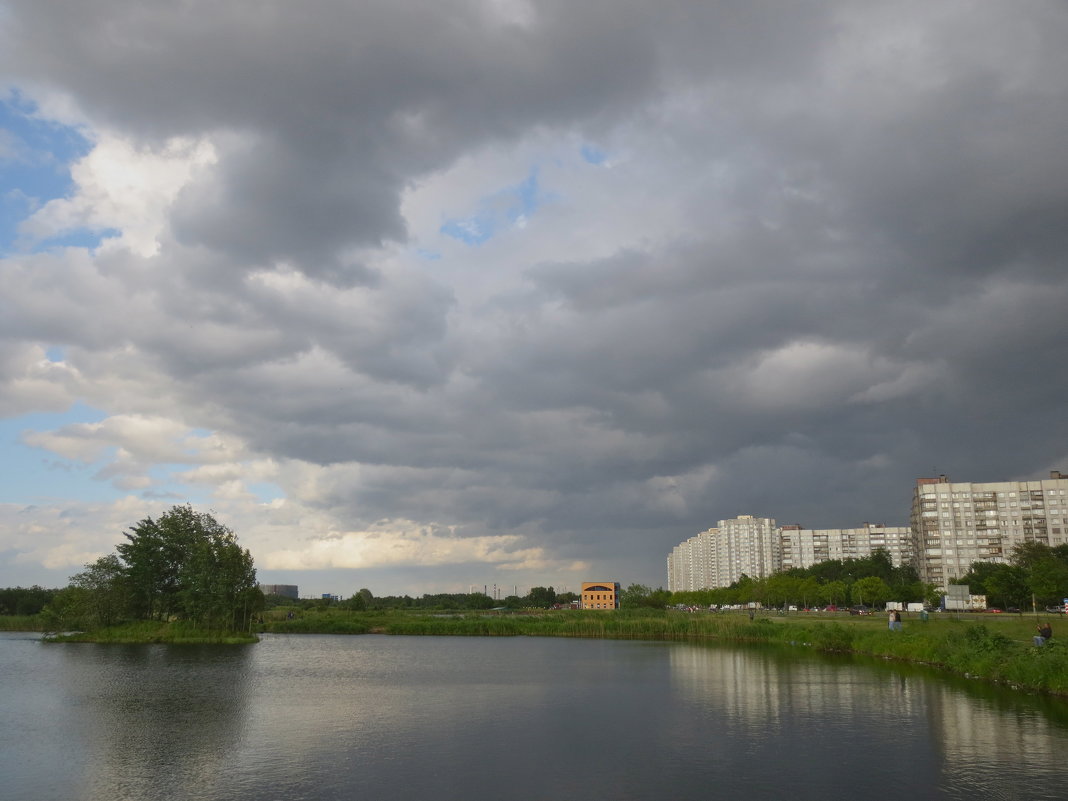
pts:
[719, 556]
[955, 524]
[746, 545]
[690, 561]
[804, 547]
[756, 547]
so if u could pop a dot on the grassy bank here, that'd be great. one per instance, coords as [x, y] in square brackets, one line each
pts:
[994, 648]
[21, 623]
[155, 632]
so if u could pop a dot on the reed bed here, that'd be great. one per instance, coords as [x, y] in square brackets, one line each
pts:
[176, 633]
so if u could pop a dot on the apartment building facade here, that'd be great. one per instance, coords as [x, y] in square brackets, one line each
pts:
[956, 523]
[757, 548]
[803, 547]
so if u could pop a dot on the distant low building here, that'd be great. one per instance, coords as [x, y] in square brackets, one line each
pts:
[285, 590]
[600, 594]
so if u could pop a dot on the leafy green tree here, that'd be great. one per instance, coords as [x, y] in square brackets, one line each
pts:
[1044, 569]
[357, 603]
[835, 592]
[870, 591]
[69, 610]
[104, 590]
[1008, 586]
[186, 564]
[809, 590]
[541, 597]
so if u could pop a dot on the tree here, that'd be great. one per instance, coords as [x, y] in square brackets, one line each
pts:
[541, 597]
[103, 583]
[188, 565]
[870, 590]
[1045, 570]
[357, 603]
[835, 592]
[1008, 586]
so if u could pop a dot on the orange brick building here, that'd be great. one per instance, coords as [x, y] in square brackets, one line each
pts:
[600, 595]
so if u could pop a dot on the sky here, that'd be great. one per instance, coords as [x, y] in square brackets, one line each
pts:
[449, 294]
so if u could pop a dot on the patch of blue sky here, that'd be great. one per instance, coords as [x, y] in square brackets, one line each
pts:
[592, 154]
[35, 159]
[77, 238]
[428, 255]
[28, 475]
[508, 208]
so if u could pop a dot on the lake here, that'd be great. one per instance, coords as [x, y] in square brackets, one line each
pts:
[377, 717]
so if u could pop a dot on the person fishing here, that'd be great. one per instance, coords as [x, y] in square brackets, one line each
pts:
[1045, 631]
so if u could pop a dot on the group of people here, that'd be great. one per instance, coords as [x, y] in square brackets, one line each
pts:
[895, 620]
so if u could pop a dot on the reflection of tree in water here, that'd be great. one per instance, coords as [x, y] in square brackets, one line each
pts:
[158, 721]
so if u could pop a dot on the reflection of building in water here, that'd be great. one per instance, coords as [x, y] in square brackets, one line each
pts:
[974, 734]
[980, 734]
[758, 688]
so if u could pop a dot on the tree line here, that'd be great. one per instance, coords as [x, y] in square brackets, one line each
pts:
[185, 565]
[365, 600]
[24, 600]
[1035, 573]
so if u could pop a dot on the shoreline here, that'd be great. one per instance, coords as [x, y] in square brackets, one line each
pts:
[998, 651]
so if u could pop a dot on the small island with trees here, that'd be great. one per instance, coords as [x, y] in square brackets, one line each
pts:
[179, 578]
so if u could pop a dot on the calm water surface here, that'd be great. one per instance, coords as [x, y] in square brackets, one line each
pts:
[375, 717]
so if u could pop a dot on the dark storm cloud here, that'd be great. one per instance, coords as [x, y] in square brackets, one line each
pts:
[860, 278]
[338, 105]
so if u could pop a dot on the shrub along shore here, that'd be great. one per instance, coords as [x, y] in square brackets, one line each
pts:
[145, 631]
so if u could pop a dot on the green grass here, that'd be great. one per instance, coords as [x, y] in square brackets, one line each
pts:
[21, 623]
[156, 632]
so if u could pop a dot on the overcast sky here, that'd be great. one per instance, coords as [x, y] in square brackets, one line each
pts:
[425, 295]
